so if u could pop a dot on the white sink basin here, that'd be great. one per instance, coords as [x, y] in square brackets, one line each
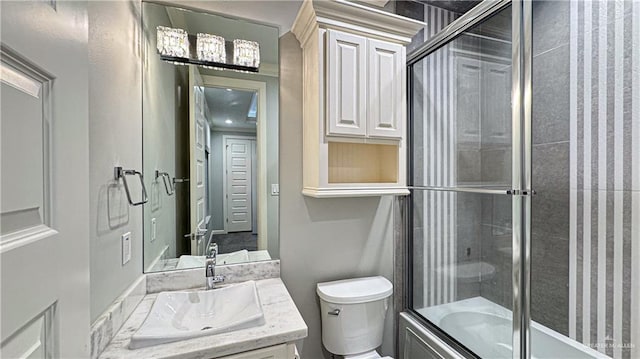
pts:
[185, 315]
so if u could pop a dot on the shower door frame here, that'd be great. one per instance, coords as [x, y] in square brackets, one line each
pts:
[521, 191]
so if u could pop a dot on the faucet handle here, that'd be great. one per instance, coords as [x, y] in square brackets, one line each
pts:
[212, 250]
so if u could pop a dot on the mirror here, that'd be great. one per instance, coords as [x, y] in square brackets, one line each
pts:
[210, 147]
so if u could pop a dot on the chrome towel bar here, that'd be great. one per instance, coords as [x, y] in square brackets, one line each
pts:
[168, 185]
[119, 172]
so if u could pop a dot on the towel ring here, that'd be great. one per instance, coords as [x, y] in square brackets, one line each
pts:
[119, 172]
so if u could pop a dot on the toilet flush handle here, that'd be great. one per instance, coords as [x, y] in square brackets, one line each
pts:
[335, 312]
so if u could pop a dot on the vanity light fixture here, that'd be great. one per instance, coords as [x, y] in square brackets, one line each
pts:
[211, 48]
[246, 53]
[212, 51]
[172, 42]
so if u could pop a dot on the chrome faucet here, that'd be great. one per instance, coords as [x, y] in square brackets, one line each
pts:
[210, 265]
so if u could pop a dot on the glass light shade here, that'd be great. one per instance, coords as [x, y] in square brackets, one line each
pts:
[211, 48]
[246, 53]
[172, 42]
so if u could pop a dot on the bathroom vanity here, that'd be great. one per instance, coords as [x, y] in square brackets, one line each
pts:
[283, 324]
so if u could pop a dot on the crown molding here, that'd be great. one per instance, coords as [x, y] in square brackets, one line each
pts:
[346, 15]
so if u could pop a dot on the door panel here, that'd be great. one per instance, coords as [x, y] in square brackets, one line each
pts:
[346, 106]
[197, 137]
[44, 220]
[385, 89]
[238, 174]
[32, 341]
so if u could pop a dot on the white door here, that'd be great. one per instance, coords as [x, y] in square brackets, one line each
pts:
[238, 175]
[197, 136]
[386, 86]
[44, 203]
[346, 76]
[254, 190]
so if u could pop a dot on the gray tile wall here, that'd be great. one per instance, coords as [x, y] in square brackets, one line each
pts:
[550, 164]
[575, 214]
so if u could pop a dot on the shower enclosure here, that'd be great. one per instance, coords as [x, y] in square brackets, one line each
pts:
[523, 224]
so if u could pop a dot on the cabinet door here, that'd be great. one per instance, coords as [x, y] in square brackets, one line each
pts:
[385, 90]
[496, 104]
[346, 84]
[274, 352]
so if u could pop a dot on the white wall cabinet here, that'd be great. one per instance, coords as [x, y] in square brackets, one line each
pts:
[365, 80]
[354, 100]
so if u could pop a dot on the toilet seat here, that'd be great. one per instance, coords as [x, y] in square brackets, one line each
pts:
[368, 355]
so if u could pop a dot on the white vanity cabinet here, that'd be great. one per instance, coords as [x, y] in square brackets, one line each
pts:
[354, 98]
[282, 351]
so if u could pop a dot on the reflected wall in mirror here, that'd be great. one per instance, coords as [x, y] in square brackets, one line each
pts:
[210, 148]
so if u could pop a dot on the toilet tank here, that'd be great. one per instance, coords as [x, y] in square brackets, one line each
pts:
[353, 313]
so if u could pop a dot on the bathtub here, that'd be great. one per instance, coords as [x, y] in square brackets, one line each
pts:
[485, 328]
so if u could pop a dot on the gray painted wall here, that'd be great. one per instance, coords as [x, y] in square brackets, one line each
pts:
[323, 239]
[161, 113]
[115, 136]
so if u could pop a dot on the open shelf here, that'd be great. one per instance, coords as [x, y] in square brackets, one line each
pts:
[362, 163]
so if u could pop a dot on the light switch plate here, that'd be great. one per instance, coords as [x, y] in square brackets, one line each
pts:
[275, 189]
[126, 248]
[154, 230]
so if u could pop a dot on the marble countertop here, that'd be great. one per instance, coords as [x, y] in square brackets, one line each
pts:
[283, 323]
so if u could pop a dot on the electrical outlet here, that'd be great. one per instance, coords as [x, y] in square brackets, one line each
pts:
[275, 189]
[154, 229]
[126, 248]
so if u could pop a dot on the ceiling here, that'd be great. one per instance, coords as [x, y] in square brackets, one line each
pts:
[231, 104]
[277, 13]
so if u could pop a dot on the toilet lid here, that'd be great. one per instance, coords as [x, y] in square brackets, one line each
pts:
[357, 290]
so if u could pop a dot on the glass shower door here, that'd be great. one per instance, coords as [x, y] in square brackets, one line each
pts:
[462, 148]
[477, 226]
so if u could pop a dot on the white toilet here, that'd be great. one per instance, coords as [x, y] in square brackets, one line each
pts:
[353, 312]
